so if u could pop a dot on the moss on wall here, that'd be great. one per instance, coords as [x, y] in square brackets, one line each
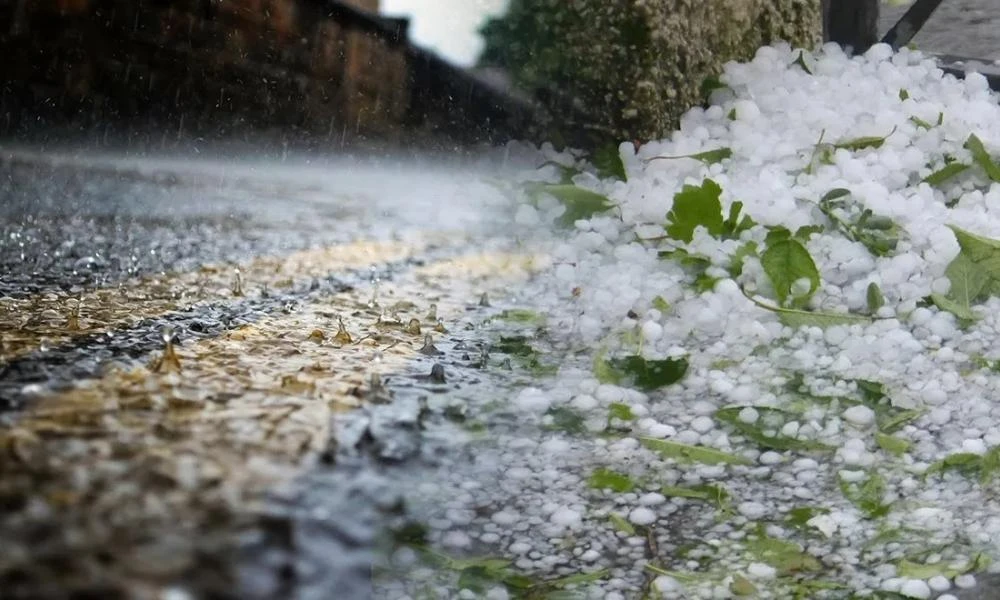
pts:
[630, 68]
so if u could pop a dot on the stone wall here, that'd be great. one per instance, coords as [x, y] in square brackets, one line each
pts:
[628, 69]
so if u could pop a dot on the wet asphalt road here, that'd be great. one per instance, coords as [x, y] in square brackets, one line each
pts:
[968, 28]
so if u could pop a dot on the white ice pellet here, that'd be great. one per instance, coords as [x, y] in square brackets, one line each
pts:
[702, 424]
[533, 400]
[565, 517]
[939, 583]
[749, 415]
[642, 516]
[860, 416]
[915, 588]
[965, 581]
[752, 510]
[974, 446]
[761, 571]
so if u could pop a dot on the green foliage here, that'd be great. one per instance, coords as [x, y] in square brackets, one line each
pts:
[620, 410]
[892, 444]
[621, 524]
[608, 161]
[711, 493]
[874, 297]
[648, 374]
[692, 454]
[607, 479]
[765, 432]
[974, 274]
[661, 305]
[984, 467]
[905, 568]
[867, 496]
[920, 123]
[579, 203]
[878, 234]
[784, 555]
[903, 94]
[982, 157]
[945, 173]
[801, 62]
[566, 419]
[800, 516]
[709, 157]
[694, 206]
[785, 263]
[864, 142]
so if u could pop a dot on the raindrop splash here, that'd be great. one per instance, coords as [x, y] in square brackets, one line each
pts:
[237, 282]
[169, 362]
[413, 327]
[484, 300]
[375, 283]
[342, 335]
[429, 349]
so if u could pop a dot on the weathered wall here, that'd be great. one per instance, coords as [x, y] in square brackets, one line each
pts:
[639, 64]
[207, 66]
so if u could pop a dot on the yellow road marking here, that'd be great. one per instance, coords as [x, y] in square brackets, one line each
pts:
[245, 411]
[45, 320]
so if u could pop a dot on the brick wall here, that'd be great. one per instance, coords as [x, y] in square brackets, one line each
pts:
[208, 66]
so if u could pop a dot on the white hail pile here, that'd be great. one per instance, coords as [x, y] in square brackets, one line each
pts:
[604, 284]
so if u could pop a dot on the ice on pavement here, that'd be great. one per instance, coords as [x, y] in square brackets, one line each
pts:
[859, 451]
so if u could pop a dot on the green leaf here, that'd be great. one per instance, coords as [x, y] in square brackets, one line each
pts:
[516, 345]
[694, 206]
[576, 579]
[786, 262]
[878, 234]
[903, 94]
[709, 85]
[785, 556]
[800, 516]
[608, 162]
[731, 115]
[608, 479]
[974, 273]
[620, 410]
[801, 62]
[566, 419]
[741, 586]
[862, 143]
[895, 422]
[692, 454]
[716, 494]
[604, 372]
[758, 432]
[745, 251]
[990, 465]
[621, 524]
[579, 203]
[709, 157]
[920, 122]
[982, 157]
[835, 194]
[647, 374]
[966, 463]
[945, 173]
[875, 298]
[803, 318]
[734, 224]
[940, 119]
[892, 444]
[905, 568]
[867, 497]
[661, 305]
